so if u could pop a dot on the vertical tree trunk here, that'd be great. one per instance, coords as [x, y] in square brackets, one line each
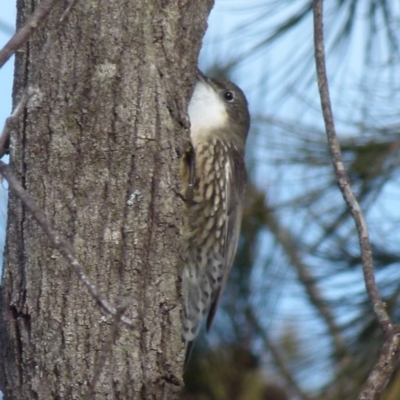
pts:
[98, 149]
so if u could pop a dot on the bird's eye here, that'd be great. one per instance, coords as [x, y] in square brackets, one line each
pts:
[229, 96]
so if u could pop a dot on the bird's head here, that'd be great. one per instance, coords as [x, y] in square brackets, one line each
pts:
[218, 108]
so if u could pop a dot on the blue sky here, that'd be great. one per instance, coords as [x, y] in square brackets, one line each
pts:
[6, 73]
[221, 25]
[7, 21]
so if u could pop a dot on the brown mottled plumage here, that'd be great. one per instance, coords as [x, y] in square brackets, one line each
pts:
[214, 178]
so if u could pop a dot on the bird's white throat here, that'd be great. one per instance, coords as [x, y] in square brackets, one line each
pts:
[207, 112]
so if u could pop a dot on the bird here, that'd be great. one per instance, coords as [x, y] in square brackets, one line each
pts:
[214, 178]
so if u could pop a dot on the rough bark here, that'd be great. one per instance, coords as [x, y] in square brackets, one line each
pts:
[98, 149]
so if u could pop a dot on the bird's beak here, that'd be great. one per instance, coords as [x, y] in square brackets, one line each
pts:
[200, 77]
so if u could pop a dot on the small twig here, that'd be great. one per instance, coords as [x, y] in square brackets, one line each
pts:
[5, 134]
[107, 347]
[59, 243]
[389, 356]
[25, 32]
[50, 37]
[341, 175]
[65, 14]
[30, 89]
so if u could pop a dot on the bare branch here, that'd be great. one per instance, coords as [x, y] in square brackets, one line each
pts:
[383, 369]
[28, 93]
[341, 175]
[107, 347]
[25, 32]
[59, 243]
[30, 89]
[50, 37]
[389, 356]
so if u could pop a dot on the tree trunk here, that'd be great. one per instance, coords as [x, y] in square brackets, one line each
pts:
[98, 149]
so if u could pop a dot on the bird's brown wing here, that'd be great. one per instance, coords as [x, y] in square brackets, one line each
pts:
[187, 172]
[235, 173]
